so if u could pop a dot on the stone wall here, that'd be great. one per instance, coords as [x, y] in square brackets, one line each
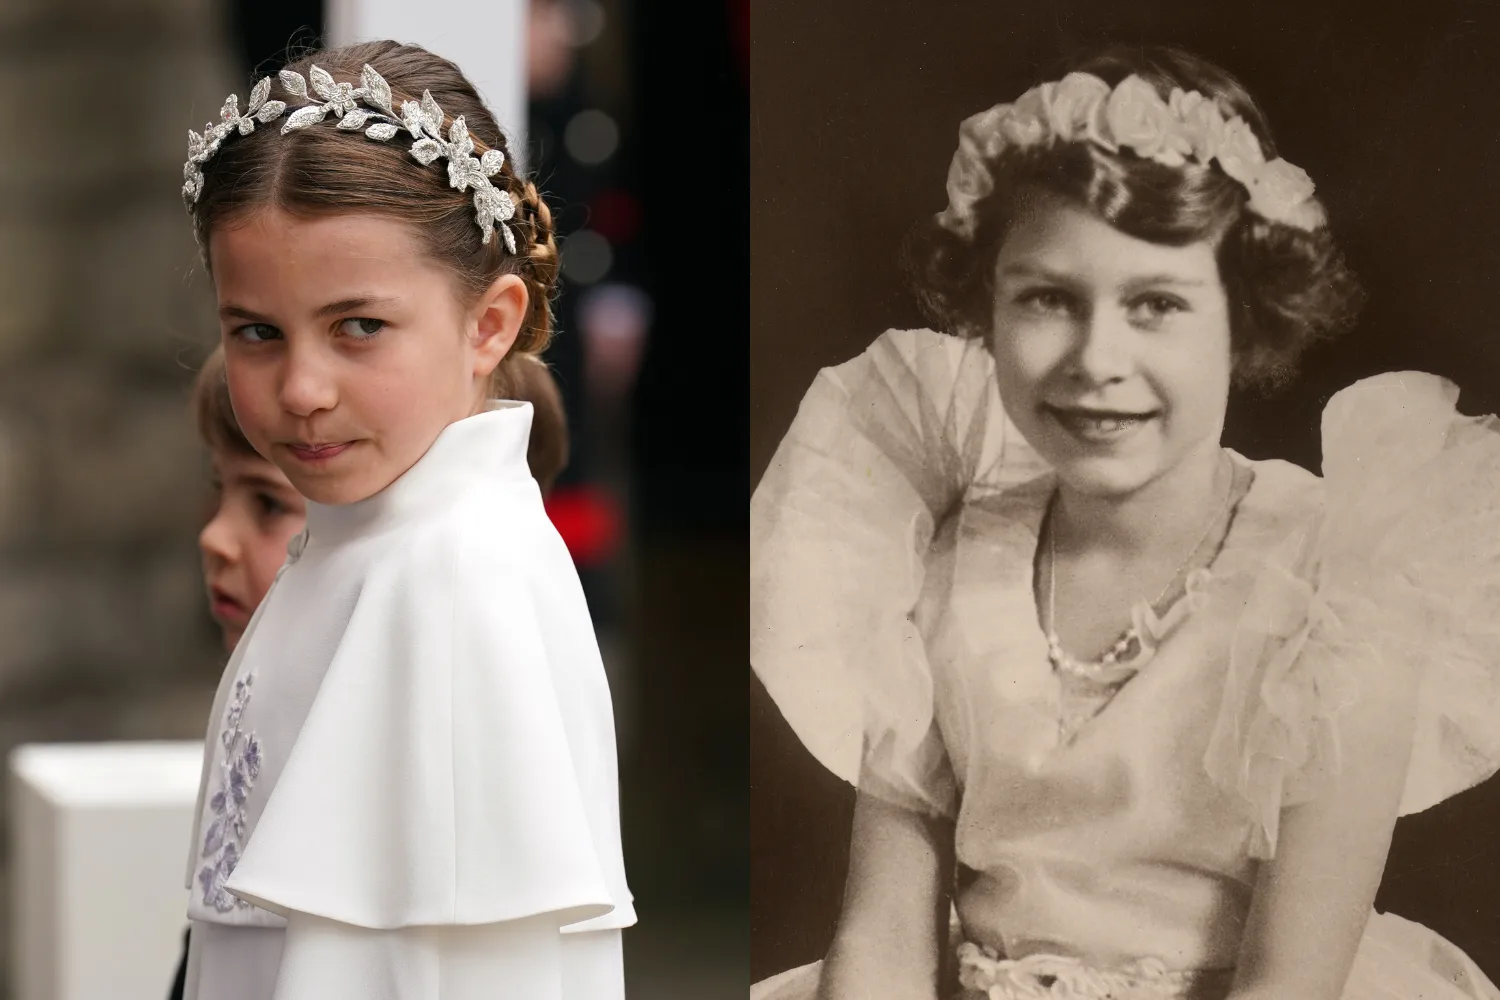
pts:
[103, 313]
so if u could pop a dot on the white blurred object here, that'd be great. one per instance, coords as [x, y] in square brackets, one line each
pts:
[588, 21]
[615, 319]
[586, 257]
[99, 840]
[486, 38]
[591, 136]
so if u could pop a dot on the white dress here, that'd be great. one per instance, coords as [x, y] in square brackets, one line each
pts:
[1107, 836]
[410, 788]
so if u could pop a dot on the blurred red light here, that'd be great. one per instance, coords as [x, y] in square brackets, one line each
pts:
[589, 521]
[615, 215]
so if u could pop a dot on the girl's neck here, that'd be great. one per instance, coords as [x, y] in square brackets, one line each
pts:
[1163, 513]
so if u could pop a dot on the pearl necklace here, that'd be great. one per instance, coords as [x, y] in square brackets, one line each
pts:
[1110, 668]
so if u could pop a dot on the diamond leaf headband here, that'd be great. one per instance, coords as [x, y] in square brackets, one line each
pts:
[1187, 126]
[424, 121]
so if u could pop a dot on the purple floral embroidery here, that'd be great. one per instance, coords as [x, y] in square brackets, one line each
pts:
[237, 774]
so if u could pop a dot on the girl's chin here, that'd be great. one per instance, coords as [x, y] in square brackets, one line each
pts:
[338, 490]
[1098, 471]
[1105, 476]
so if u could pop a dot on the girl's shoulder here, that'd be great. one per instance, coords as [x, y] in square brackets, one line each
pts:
[490, 529]
[1382, 575]
[1283, 498]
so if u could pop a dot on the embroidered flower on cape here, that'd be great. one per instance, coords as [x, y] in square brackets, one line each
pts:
[237, 773]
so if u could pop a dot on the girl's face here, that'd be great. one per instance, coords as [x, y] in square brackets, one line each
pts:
[243, 545]
[347, 350]
[1112, 353]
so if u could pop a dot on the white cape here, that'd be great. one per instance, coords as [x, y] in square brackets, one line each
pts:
[411, 784]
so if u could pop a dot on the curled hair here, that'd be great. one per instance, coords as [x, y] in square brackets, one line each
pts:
[1286, 288]
[323, 170]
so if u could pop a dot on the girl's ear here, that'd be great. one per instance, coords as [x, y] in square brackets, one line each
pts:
[497, 319]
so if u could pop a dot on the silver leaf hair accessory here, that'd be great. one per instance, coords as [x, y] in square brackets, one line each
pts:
[423, 120]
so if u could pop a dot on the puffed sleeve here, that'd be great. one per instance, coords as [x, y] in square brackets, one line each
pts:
[1392, 590]
[881, 450]
[434, 783]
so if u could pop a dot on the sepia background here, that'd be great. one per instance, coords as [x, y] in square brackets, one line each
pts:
[1390, 107]
[636, 126]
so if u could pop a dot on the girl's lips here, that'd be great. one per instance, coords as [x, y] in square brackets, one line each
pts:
[225, 608]
[317, 453]
[1099, 426]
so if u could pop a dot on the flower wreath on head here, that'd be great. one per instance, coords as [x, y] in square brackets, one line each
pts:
[1186, 126]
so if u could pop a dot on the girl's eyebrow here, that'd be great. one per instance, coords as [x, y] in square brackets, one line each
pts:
[1178, 280]
[351, 304]
[1027, 269]
[230, 310]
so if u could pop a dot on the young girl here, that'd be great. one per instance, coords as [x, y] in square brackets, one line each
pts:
[1129, 714]
[410, 787]
[257, 513]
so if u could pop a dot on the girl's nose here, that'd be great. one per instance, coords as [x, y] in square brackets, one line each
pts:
[216, 540]
[1103, 353]
[307, 382]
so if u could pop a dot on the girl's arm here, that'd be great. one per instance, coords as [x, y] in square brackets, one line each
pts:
[894, 923]
[1313, 900]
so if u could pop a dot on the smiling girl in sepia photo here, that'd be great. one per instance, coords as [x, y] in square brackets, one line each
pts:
[1129, 714]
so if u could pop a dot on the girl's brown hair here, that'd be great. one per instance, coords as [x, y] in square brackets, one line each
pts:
[546, 452]
[1287, 288]
[213, 413]
[322, 170]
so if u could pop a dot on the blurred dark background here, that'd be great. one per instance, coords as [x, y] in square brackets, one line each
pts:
[1388, 106]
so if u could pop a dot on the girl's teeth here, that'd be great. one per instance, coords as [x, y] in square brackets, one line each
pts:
[1104, 426]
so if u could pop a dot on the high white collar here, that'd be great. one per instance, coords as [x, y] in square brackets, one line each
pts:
[487, 447]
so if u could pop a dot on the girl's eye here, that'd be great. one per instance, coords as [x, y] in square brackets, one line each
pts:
[361, 328]
[269, 505]
[257, 333]
[1044, 300]
[1155, 308]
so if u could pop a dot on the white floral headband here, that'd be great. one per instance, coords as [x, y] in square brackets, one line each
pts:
[1131, 116]
[423, 120]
